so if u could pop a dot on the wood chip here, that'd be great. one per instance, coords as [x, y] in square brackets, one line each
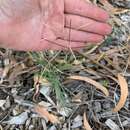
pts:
[124, 93]
[112, 125]
[45, 114]
[93, 82]
[86, 124]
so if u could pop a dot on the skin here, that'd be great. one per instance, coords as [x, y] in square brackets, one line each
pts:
[63, 24]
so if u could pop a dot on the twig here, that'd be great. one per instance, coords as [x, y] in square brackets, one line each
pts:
[102, 66]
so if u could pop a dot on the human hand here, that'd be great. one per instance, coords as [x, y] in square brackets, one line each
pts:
[33, 25]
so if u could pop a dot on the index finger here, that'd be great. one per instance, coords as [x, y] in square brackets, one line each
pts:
[83, 8]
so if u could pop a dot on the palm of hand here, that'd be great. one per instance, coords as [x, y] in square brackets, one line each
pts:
[33, 25]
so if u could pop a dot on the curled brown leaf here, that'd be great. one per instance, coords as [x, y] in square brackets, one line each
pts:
[124, 93]
[86, 124]
[42, 111]
[91, 81]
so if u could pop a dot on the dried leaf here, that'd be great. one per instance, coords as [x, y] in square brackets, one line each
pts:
[93, 82]
[4, 73]
[124, 93]
[41, 80]
[14, 73]
[18, 120]
[44, 113]
[108, 6]
[86, 124]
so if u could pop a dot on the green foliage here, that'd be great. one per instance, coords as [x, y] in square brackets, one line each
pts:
[64, 66]
[105, 83]
[50, 72]
[108, 41]
[53, 77]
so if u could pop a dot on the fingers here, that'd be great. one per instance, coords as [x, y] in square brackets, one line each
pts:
[86, 24]
[82, 8]
[81, 36]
